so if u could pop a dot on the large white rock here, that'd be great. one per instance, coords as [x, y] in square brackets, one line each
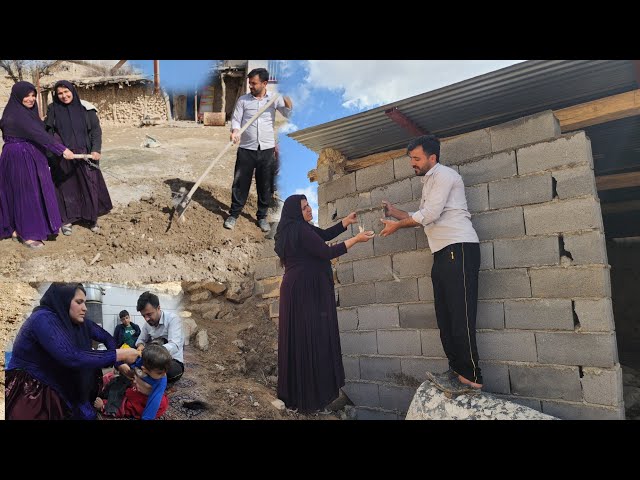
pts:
[429, 403]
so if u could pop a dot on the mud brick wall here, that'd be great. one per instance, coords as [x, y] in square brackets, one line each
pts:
[545, 324]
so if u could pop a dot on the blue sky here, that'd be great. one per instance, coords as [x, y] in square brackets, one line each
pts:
[325, 90]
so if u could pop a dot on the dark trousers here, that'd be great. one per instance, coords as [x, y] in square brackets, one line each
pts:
[262, 161]
[455, 288]
[176, 369]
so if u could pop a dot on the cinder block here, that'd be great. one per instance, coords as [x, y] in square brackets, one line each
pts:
[425, 289]
[495, 377]
[521, 191]
[405, 290]
[351, 367]
[370, 177]
[269, 287]
[512, 283]
[417, 315]
[324, 173]
[459, 149]
[370, 220]
[603, 387]
[378, 316]
[586, 248]
[526, 252]
[369, 414]
[352, 203]
[522, 131]
[358, 294]
[344, 271]
[499, 224]
[347, 234]
[539, 314]
[421, 240]
[323, 215]
[359, 250]
[582, 349]
[396, 398]
[268, 267]
[416, 187]
[567, 150]
[581, 411]
[347, 319]
[274, 308]
[402, 167]
[409, 207]
[371, 269]
[594, 315]
[431, 343]
[563, 216]
[417, 262]
[384, 369]
[399, 342]
[506, 346]
[338, 188]
[417, 368]
[490, 168]
[358, 343]
[490, 315]
[396, 192]
[486, 255]
[546, 382]
[526, 402]
[477, 198]
[570, 282]
[401, 241]
[575, 182]
[362, 394]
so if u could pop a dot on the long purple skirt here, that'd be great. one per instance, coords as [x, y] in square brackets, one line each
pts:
[310, 369]
[80, 190]
[27, 197]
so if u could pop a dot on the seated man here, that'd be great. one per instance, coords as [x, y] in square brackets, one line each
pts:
[162, 325]
[127, 332]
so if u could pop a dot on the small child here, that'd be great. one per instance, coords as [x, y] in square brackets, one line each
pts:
[145, 399]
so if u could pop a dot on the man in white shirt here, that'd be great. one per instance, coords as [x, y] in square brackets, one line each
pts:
[456, 261]
[164, 328]
[256, 149]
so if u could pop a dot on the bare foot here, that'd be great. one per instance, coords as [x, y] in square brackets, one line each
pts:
[469, 382]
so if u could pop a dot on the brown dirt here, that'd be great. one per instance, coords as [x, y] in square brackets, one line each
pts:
[134, 244]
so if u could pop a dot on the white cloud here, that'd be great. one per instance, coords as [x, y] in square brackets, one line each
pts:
[288, 128]
[312, 198]
[368, 83]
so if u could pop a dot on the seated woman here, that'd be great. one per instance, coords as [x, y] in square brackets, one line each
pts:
[28, 208]
[53, 373]
[310, 370]
[80, 187]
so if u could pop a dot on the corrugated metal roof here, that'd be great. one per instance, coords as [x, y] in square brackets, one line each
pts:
[497, 97]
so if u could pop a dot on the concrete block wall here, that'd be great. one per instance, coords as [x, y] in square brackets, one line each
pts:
[545, 324]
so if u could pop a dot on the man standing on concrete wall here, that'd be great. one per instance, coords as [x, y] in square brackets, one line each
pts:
[456, 261]
[256, 149]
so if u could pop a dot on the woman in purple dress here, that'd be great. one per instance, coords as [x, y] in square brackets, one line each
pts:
[80, 187]
[28, 208]
[53, 373]
[310, 370]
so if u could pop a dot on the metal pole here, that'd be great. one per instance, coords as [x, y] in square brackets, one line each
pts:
[156, 76]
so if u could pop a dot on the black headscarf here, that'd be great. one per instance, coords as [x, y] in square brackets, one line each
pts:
[57, 299]
[22, 122]
[70, 120]
[291, 221]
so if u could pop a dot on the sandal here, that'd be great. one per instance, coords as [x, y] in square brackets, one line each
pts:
[33, 243]
[66, 230]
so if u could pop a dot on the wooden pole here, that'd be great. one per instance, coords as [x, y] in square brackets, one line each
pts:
[156, 76]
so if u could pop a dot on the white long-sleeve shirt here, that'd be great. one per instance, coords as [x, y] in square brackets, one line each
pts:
[443, 209]
[169, 327]
[261, 131]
